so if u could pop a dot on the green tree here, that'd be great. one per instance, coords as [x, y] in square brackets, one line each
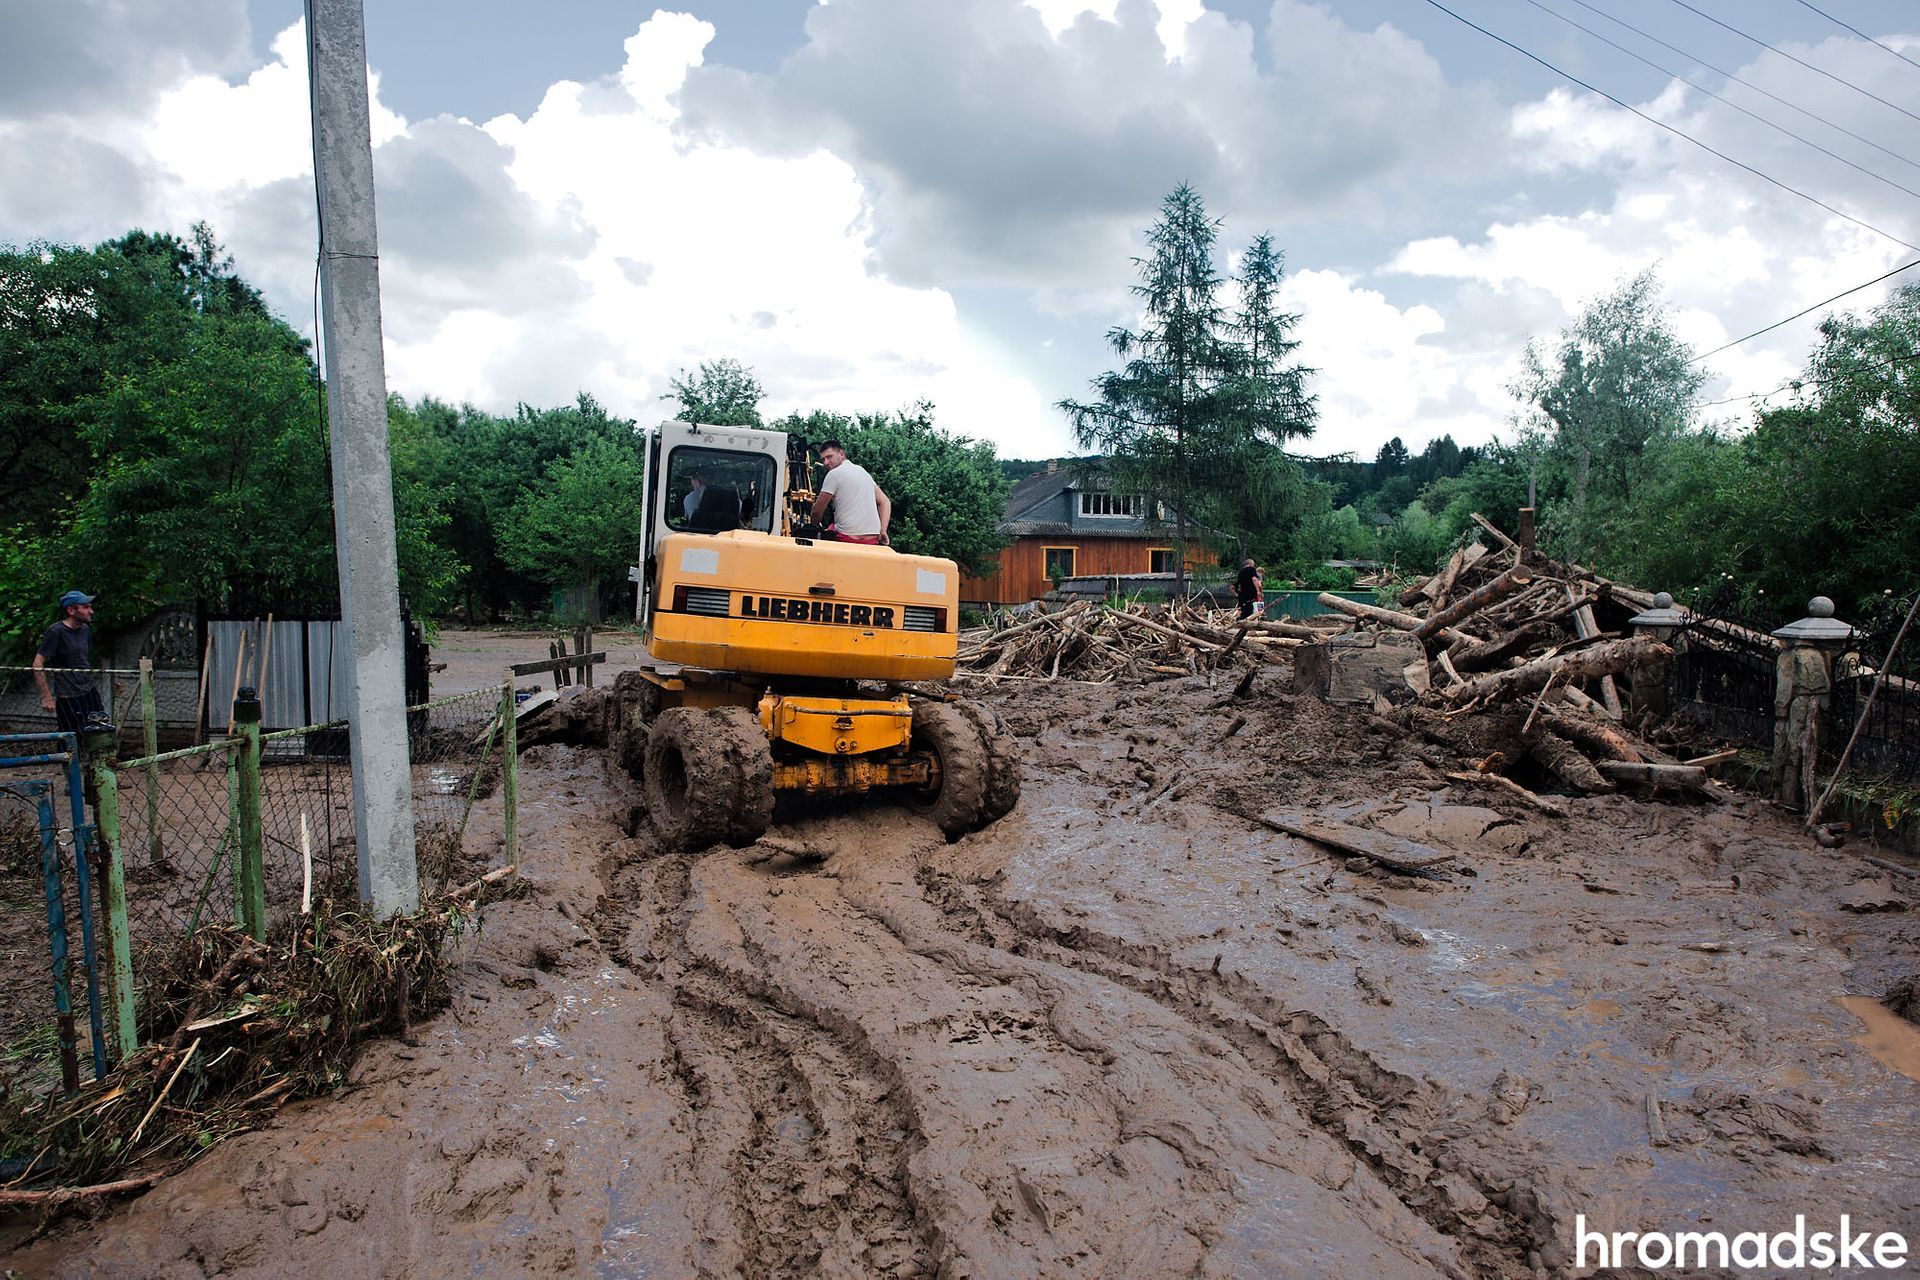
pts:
[581, 523]
[1197, 415]
[948, 491]
[1157, 415]
[723, 393]
[1618, 381]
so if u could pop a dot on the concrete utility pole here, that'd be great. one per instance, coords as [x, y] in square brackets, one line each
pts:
[362, 468]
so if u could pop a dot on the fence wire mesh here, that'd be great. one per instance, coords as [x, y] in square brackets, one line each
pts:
[179, 834]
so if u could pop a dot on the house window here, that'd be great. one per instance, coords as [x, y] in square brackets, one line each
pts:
[1160, 560]
[1119, 505]
[1059, 562]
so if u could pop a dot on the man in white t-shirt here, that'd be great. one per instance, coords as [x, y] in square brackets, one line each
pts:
[861, 509]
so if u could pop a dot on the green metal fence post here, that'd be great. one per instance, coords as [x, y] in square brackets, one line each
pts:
[252, 886]
[510, 771]
[106, 816]
[150, 740]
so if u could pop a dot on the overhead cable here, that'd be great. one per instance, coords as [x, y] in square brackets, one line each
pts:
[1739, 80]
[1806, 311]
[1700, 88]
[1676, 132]
[1799, 383]
[1863, 35]
[1801, 61]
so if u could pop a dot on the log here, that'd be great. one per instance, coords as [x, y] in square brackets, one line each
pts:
[1478, 655]
[1370, 612]
[1563, 760]
[1672, 775]
[1608, 658]
[1498, 589]
[1594, 736]
[1387, 850]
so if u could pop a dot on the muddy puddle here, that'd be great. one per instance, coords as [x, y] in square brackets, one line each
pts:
[1125, 1032]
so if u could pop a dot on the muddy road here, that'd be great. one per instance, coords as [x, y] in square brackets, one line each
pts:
[1125, 1031]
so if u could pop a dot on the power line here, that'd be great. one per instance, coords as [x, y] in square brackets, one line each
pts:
[1676, 132]
[1736, 79]
[1808, 311]
[1799, 383]
[1803, 62]
[1863, 35]
[1780, 129]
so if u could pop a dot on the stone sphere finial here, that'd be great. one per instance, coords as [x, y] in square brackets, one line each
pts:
[1819, 607]
[1663, 600]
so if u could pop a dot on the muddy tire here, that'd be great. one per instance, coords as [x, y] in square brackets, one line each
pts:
[633, 752]
[690, 778]
[1003, 760]
[957, 803]
[751, 760]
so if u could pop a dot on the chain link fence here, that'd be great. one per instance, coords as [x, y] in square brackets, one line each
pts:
[245, 829]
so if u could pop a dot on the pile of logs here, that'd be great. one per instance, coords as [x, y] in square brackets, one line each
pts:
[1511, 636]
[1096, 644]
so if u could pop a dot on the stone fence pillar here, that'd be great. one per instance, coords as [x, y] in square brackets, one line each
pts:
[1802, 686]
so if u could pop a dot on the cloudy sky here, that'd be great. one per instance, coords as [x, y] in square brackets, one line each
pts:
[872, 202]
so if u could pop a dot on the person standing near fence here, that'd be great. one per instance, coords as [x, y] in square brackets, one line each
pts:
[73, 697]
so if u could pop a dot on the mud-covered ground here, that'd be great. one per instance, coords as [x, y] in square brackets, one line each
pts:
[1125, 1031]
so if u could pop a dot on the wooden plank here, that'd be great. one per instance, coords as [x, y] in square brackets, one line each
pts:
[1387, 850]
[1500, 537]
[555, 664]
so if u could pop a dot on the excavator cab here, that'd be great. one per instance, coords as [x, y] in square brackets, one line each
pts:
[779, 662]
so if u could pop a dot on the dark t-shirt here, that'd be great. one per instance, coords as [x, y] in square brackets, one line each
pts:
[1243, 585]
[64, 646]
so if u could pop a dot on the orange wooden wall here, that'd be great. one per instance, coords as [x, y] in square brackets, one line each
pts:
[1022, 574]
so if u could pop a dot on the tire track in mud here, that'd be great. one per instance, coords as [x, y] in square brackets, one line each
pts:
[1119, 1140]
[1395, 1125]
[801, 1141]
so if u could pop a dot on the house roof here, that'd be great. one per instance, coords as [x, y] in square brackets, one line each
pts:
[1036, 489]
[1042, 487]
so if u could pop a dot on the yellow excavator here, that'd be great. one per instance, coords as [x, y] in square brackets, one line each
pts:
[779, 661]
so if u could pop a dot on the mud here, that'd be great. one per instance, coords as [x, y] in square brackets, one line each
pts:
[1124, 1031]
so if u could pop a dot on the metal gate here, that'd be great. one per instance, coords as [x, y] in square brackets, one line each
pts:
[1722, 676]
[37, 996]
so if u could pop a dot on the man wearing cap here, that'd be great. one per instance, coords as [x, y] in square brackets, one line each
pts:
[74, 699]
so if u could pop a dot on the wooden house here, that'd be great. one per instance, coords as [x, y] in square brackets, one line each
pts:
[1065, 522]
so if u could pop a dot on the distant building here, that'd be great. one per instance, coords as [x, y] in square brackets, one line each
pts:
[1066, 522]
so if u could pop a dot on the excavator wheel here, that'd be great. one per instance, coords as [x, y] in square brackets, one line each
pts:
[689, 778]
[751, 759]
[956, 803]
[1003, 760]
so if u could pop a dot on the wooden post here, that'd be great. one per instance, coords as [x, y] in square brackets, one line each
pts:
[252, 886]
[1526, 532]
[106, 813]
[510, 771]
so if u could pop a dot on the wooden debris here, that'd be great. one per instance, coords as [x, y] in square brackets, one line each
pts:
[1387, 850]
